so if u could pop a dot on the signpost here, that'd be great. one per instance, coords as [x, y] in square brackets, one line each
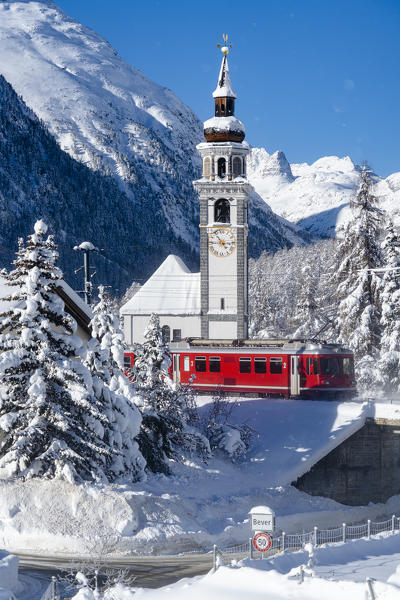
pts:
[262, 521]
[262, 518]
[262, 542]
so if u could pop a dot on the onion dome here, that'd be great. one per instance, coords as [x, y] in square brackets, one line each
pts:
[224, 126]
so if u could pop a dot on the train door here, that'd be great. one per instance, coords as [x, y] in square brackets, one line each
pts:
[176, 368]
[294, 376]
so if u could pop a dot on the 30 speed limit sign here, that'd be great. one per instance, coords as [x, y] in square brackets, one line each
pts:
[262, 542]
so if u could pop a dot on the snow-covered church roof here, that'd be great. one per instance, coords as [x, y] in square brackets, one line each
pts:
[171, 290]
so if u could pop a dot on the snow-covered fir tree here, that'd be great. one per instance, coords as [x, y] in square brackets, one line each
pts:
[358, 286]
[389, 363]
[104, 359]
[167, 429]
[52, 422]
[307, 316]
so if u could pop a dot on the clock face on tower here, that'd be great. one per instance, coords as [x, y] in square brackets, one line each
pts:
[222, 242]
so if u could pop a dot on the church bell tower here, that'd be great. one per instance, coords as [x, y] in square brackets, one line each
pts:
[224, 195]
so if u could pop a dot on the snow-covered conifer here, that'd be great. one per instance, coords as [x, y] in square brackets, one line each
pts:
[389, 363]
[167, 430]
[52, 424]
[104, 359]
[357, 284]
[307, 315]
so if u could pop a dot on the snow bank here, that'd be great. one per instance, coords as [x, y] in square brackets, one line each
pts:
[57, 516]
[233, 583]
[201, 504]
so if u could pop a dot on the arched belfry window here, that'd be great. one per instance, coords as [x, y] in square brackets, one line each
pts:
[222, 211]
[166, 334]
[236, 166]
[221, 167]
[207, 167]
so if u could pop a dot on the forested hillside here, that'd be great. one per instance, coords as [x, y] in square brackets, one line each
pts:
[38, 179]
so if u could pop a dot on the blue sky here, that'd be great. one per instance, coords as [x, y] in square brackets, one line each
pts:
[313, 78]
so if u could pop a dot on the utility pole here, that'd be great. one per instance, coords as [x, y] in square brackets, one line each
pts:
[86, 248]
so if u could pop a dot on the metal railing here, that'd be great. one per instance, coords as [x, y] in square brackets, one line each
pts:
[316, 537]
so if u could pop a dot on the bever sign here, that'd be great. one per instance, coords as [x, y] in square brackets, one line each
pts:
[262, 522]
[262, 518]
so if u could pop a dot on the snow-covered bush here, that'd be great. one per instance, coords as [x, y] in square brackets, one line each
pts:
[226, 439]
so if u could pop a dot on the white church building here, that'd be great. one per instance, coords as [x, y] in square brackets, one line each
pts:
[212, 304]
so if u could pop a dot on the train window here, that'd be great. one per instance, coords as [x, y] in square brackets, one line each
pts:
[260, 364]
[200, 364]
[348, 366]
[308, 365]
[215, 364]
[186, 363]
[275, 365]
[316, 366]
[329, 366]
[127, 362]
[244, 364]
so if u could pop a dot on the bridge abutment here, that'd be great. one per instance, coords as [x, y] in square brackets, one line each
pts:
[364, 468]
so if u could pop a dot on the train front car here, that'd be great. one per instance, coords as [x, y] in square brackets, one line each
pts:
[288, 368]
[324, 371]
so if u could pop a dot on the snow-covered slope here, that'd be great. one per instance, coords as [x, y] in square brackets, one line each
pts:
[109, 116]
[102, 111]
[315, 196]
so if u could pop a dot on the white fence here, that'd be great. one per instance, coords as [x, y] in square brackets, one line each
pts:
[317, 537]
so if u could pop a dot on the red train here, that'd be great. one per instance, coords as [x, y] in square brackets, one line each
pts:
[288, 368]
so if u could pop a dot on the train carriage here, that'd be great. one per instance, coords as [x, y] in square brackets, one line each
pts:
[265, 367]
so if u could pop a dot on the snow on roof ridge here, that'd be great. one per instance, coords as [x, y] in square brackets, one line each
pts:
[171, 263]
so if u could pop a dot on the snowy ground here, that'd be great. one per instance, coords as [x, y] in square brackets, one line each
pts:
[337, 571]
[202, 504]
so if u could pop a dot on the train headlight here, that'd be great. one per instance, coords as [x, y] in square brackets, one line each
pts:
[327, 382]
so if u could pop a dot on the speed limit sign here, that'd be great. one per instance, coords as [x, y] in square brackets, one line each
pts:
[262, 542]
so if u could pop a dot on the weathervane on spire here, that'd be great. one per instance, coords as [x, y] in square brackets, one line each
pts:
[226, 46]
